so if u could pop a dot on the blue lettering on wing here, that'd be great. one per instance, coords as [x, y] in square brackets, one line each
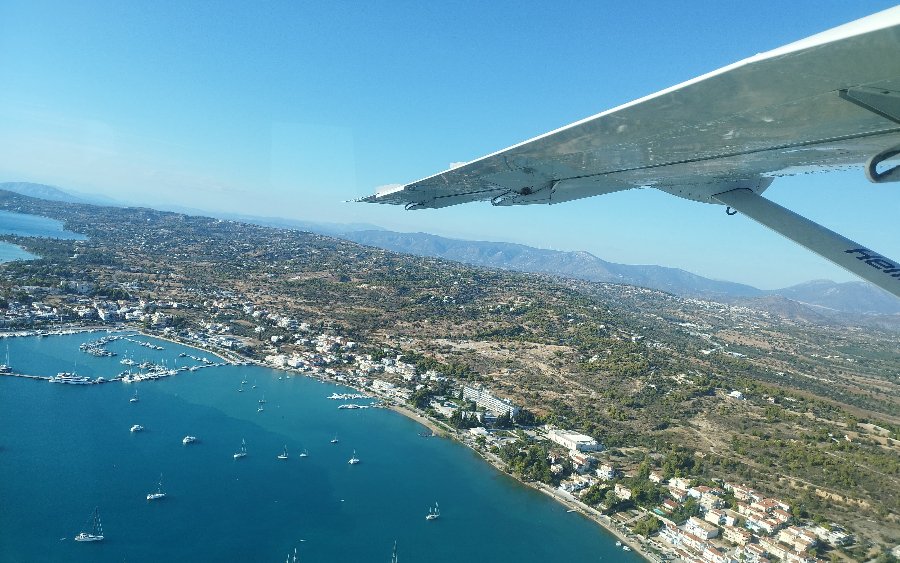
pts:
[876, 260]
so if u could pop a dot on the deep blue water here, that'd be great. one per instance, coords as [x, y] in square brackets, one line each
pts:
[29, 226]
[66, 449]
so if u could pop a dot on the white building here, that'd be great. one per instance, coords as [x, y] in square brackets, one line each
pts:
[489, 402]
[573, 440]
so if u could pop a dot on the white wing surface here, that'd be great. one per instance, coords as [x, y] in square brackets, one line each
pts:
[828, 101]
[772, 114]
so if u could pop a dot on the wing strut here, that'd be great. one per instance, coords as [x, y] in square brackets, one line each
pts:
[852, 256]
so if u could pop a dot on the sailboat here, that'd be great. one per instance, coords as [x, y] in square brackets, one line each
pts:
[135, 398]
[262, 401]
[433, 513]
[96, 528]
[243, 452]
[4, 368]
[353, 460]
[284, 454]
[334, 440]
[158, 494]
[304, 453]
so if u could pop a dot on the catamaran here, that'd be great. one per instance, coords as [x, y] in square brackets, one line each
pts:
[243, 452]
[433, 513]
[159, 493]
[96, 528]
[284, 454]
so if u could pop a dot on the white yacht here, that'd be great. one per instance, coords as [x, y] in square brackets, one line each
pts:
[159, 494]
[137, 428]
[243, 452]
[353, 460]
[95, 526]
[284, 454]
[188, 440]
[433, 513]
[71, 379]
[626, 548]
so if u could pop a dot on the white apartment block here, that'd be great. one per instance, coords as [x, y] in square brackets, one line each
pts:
[489, 402]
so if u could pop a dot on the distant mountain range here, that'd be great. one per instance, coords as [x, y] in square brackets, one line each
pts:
[43, 191]
[821, 300]
[824, 297]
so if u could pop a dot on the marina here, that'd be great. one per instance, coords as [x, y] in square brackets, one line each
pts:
[343, 514]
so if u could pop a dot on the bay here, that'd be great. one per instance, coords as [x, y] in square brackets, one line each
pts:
[29, 226]
[66, 449]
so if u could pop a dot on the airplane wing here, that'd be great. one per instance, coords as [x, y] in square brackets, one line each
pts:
[829, 101]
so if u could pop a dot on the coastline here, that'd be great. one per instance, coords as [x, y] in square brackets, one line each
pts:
[438, 428]
[633, 541]
[442, 430]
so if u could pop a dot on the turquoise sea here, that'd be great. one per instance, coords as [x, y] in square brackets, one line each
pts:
[65, 450]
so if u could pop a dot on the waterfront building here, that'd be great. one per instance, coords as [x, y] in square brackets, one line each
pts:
[573, 440]
[495, 405]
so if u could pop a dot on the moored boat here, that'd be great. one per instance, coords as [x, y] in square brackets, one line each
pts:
[433, 513]
[95, 527]
[159, 494]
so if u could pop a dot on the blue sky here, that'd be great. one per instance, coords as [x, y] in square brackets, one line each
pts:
[290, 108]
